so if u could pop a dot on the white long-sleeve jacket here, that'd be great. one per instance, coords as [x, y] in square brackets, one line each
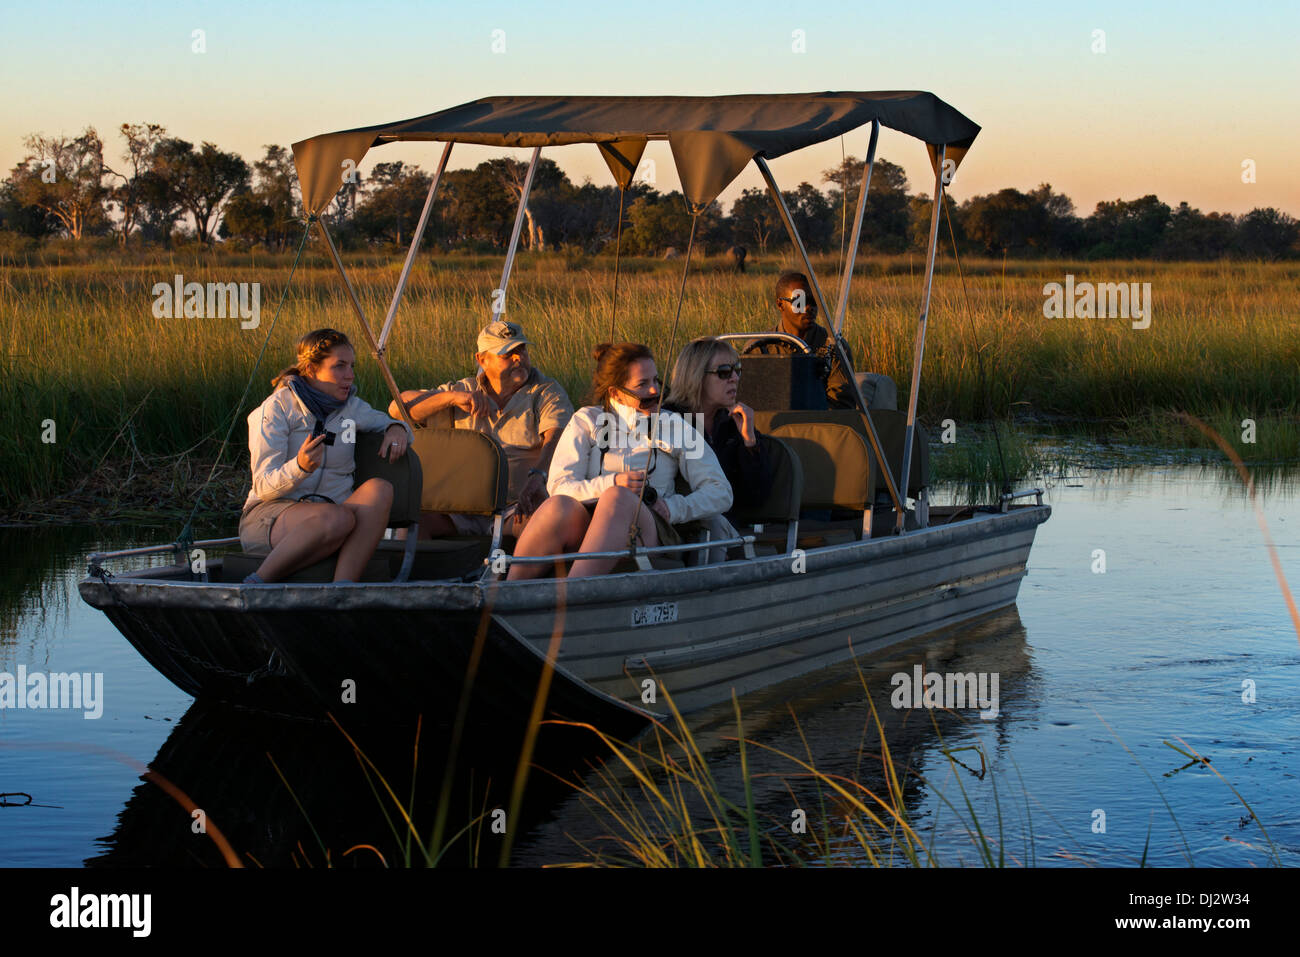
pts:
[581, 471]
[276, 430]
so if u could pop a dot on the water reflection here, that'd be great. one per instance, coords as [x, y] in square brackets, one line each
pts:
[826, 721]
[296, 794]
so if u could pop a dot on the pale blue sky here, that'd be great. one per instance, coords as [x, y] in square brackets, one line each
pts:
[1183, 93]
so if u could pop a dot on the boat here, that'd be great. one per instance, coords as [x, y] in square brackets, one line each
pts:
[434, 629]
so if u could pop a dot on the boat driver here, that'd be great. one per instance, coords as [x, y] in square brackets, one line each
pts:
[509, 399]
[797, 309]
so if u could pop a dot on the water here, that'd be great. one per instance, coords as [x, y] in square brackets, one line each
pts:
[1184, 638]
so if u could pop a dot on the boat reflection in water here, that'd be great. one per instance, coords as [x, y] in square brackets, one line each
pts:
[320, 803]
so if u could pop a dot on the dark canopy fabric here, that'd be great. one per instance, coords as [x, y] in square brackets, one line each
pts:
[712, 137]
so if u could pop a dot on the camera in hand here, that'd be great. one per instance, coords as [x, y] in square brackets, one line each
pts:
[651, 496]
[320, 430]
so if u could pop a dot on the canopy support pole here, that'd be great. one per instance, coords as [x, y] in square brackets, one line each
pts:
[841, 304]
[410, 253]
[839, 342]
[500, 308]
[925, 314]
[365, 326]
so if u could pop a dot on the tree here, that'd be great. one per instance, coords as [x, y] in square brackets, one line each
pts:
[657, 222]
[16, 216]
[205, 179]
[65, 179]
[142, 140]
[887, 219]
[754, 218]
[269, 210]
[276, 187]
[159, 193]
[813, 215]
[1014, 223]
[1126, 229]
[1194, 235]
[394, 195]
[1267, 234]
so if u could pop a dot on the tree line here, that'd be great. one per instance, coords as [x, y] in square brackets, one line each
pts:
[161, 190]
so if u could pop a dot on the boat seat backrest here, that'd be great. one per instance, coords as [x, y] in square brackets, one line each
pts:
[784, 500]
[465, 471]
[406, 476]
[835, 461]
[891, 429]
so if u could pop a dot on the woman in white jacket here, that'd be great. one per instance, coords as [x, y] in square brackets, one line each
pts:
[302, 506]
[607, 454]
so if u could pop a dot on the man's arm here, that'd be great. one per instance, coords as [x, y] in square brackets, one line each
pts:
[425, 405]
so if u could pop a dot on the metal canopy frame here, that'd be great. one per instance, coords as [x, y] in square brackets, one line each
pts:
[894, 483]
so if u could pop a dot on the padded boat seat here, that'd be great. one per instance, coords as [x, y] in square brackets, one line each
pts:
[835, 461]
[465, 472]
[891, 429]
[785, 498]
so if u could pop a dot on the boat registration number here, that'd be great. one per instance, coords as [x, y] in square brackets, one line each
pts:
[660, 614]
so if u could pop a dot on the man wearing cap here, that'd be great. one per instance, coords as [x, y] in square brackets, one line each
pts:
[524, 410]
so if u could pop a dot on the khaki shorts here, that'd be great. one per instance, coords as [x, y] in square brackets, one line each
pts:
[255, 524]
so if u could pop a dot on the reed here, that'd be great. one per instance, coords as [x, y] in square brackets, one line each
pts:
[79, 345]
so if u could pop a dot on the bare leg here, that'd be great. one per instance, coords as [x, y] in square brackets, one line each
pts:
[558, 525]
[370, 505]
[608, 530]
[302, 535]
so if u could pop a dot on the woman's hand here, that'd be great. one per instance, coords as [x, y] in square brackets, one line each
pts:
[311, 454]
[394, 444]
[743, 416]
[632, 480]
[662, 509]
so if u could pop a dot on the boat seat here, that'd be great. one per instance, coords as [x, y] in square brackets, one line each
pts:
[785, 498]
[466, 473]
[891, 429]
[835, 462]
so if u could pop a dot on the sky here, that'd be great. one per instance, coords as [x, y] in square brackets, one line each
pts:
[1101, 100]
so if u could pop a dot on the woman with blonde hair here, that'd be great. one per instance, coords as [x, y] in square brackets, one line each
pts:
[706, 384]
[616, 468]
[302, 506]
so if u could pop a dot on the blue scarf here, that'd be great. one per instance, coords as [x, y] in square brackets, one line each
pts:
[317, 402]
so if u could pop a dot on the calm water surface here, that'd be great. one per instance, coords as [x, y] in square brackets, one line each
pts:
[1184, 638]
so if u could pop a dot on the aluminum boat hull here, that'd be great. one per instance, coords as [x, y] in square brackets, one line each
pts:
[623, 642]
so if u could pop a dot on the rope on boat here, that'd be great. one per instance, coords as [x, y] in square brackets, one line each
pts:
[186, 537]
[979, 359]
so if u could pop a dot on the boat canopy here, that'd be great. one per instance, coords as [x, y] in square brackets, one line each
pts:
[712, 138]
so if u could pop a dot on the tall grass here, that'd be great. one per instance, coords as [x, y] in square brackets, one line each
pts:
[79, 344]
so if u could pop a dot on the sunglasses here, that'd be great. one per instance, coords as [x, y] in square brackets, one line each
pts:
[646, 403]
[724, 372]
